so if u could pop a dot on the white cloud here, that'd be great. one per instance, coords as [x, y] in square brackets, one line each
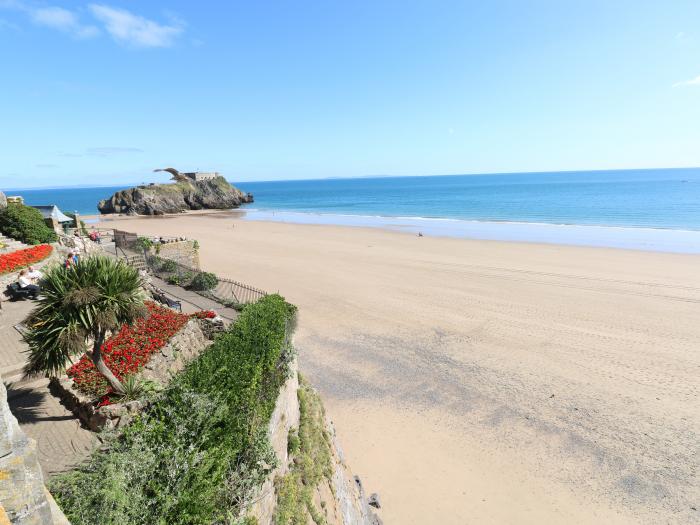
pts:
[54, 17]
[692, 82]
[134, 30]
[124, 26]
[62, 20]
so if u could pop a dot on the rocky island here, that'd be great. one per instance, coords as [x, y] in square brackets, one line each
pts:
[188, 191]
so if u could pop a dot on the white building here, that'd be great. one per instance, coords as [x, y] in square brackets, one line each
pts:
[201, 175]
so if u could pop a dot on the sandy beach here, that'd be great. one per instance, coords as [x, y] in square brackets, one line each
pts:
[482, 381]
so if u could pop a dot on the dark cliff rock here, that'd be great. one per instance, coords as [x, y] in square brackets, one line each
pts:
[182, 195]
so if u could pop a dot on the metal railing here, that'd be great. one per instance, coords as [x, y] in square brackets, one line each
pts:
[227, 291]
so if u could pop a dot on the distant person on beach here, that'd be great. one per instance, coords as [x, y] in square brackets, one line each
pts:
[25, 283]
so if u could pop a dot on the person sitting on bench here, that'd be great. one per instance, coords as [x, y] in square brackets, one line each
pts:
[34, 274]
[25, 283]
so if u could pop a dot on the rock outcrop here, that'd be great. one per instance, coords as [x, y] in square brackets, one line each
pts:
[3, 200]
[182, 195]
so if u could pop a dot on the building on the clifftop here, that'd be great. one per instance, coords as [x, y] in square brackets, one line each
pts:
[198, 176]
[54, 217]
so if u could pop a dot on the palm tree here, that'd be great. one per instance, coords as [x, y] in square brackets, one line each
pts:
[80, 305]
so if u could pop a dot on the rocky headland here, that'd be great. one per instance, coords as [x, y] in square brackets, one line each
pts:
[182, 194]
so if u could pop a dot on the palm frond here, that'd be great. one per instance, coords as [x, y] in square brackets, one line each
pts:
[94, 296]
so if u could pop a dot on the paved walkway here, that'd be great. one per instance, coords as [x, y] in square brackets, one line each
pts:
[192, 301]
[61, 441]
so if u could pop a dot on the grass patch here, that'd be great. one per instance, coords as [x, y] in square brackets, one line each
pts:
[200, 453]
[311, 450]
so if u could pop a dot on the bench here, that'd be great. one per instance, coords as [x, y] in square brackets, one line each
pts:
[167, 301]
[14, 291]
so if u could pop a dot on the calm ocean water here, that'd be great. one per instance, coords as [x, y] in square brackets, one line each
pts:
[630, 202]
[649, 198]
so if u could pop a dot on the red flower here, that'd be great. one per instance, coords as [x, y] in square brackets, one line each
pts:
[19, 259]
[204, 314]
[128, 350]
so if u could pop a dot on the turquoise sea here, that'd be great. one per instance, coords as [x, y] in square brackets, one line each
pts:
[648, 209]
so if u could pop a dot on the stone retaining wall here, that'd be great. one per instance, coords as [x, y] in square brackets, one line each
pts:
[284, 417]
[182, 252]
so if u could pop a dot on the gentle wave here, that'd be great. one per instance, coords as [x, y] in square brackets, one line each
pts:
[644, 238]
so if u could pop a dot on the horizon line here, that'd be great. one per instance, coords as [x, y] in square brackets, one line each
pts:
[376, 176]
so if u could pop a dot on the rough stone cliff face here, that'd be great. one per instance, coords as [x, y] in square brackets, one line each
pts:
[341, 497]
[181, 195]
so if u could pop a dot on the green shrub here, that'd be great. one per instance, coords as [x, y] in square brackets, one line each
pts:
[293, 442]
[204, 281]
[25, 224]
[180, 279]
[199, 454]
[144, 243]
[168, 265]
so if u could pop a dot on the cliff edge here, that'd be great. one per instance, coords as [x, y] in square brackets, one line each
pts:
[182, 195]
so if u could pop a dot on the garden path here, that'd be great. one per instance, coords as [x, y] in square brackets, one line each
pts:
[61, 441]
[192, 301]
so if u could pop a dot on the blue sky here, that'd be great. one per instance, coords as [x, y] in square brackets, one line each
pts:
[103, 93]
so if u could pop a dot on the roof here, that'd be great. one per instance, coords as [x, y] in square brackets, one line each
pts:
[52, 212]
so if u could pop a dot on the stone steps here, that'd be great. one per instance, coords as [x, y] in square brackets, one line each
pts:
[138, 262]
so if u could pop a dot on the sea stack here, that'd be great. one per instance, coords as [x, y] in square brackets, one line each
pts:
[188, 191]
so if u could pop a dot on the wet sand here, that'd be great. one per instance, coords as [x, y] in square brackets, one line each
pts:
[488, 382]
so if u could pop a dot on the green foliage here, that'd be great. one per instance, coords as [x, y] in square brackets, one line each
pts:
[182, 279]
[168, 265]
[311, 449]
[199, 454]
[78, 303]
[291, 500]
[204, 281]
[293, 442]
[235, 305]
[144, 243]
[137, 388]
[25, 224]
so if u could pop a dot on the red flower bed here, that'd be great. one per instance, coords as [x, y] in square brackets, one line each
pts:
[128, 350]
[21, 258]
[204, 314]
